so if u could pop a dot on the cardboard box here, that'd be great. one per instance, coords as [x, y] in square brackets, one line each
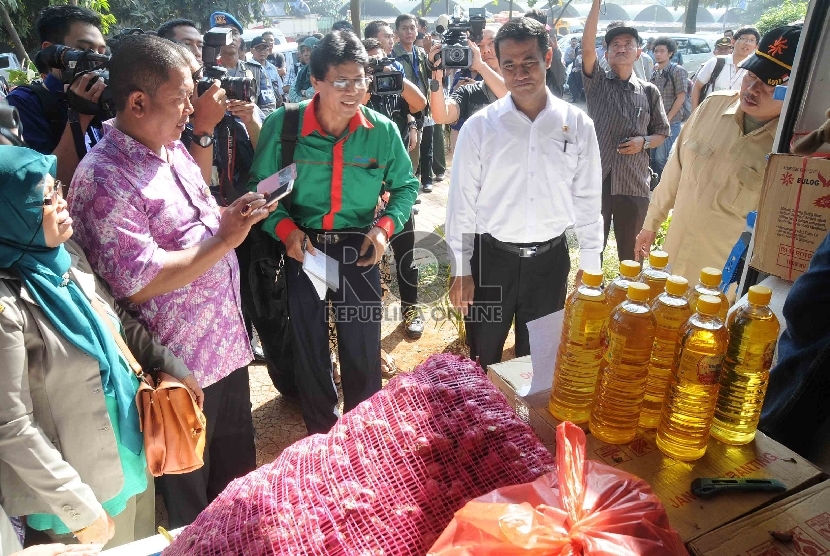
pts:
[512, 377]
[793, 214]
[671, 479]
[804, 516]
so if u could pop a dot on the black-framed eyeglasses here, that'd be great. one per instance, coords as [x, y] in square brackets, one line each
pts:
[56, 196]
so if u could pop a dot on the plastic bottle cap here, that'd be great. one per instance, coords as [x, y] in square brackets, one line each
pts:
[629, 269]
[592, 278]
[708, 305]
[658, 259]
[638, 291]
[676, 285]
[710, 277]
[759, 295]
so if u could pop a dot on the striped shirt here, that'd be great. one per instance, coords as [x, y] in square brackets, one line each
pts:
[620, 109]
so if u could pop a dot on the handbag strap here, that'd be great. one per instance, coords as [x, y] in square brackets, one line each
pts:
[119, 339]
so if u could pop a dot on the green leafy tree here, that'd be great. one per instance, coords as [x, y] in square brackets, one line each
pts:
[326, 8]
[783, 14]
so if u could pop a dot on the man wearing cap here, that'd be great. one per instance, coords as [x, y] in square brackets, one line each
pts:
[630, 119]
[232, 57]
[713, 177]
[259, 52]
[643, 66]
[724, 73]
[723, 47]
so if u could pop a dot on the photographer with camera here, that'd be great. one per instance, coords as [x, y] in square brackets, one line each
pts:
[44, 108]
[184, 32]
[232, 58]
[398, 99]
[417, 70]
[468, 98]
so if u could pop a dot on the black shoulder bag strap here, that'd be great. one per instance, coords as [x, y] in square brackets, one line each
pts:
[289, 136]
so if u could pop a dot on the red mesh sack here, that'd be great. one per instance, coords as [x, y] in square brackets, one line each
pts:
[582, 508]
[386, 479]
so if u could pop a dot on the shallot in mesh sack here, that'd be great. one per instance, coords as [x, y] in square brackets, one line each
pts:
[386, 480]
[583, 508]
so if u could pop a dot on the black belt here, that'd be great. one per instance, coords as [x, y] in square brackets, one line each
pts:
[332, 237]
[523, 250]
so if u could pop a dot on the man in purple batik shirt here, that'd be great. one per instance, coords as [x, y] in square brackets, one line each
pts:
[151, 229]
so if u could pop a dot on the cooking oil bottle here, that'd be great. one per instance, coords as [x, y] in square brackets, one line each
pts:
[692, 390]
[670, 310]
[709, 284]
[656, 275]
[753, 333]
[621, 383]
[580, 351]
[616, 291]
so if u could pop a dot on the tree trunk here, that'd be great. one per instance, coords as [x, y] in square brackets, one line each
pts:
[690, 23]
[354, 7]
[18, 44]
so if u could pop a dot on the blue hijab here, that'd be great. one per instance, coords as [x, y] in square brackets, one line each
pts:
[44, 272]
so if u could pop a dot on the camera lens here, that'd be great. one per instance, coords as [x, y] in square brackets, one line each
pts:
[238, 88]
[455, 55]
[385, 84]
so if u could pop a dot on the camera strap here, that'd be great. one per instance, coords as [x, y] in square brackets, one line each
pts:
[77, 134]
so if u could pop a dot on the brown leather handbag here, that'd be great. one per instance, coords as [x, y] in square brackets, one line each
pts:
[173, 425]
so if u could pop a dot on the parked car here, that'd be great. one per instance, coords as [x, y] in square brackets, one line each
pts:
[251, 34]
[8, 62]
[695, 49]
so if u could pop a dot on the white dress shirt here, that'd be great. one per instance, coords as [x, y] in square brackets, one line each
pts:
[525, 181]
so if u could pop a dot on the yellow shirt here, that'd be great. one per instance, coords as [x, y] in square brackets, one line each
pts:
[712, 181]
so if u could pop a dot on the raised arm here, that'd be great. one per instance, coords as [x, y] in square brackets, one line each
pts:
[589, 40]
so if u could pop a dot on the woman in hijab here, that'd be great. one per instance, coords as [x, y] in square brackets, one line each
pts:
[71, 452]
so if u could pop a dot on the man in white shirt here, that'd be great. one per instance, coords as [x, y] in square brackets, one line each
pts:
[727, 74]
[526, 168]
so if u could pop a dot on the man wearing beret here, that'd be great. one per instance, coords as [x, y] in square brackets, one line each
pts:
[714, 174]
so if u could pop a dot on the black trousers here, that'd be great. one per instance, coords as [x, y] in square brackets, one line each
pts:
[230, 451]
[403, 244]
[507, 287]
[426, 154]
[439, 153]
[628, 213]
[358, 313]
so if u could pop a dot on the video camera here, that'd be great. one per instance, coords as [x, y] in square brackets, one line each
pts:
[384, 82]
[455, 53]
[73, 65]
[236, 88]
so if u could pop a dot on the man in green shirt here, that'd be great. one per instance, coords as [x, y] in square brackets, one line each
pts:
[345, 154]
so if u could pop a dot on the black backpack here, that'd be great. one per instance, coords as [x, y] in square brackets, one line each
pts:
[710, 85]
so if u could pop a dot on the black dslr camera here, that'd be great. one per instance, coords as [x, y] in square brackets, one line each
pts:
[456, 53]
[10, 126]
[384, 82]
[236, 88]
[74, 64]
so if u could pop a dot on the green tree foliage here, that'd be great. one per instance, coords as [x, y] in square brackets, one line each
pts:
[326, 8]
[149, 14]
[783, 14]
[24, 13]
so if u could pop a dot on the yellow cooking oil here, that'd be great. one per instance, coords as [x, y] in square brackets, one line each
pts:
[753, 333]
[671, 310]
[580, 351]
[621, 383]
[656, 274]
[617, 290]
[710, 279]
[692, 390]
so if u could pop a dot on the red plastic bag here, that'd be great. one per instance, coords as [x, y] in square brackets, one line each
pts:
[582, 508]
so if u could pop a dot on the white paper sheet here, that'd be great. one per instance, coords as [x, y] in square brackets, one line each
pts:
[545, 334]
[319, 285]
[323, 267]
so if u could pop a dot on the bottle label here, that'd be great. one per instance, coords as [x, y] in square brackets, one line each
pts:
[700, 369]
[616, 346]
[588, 335]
